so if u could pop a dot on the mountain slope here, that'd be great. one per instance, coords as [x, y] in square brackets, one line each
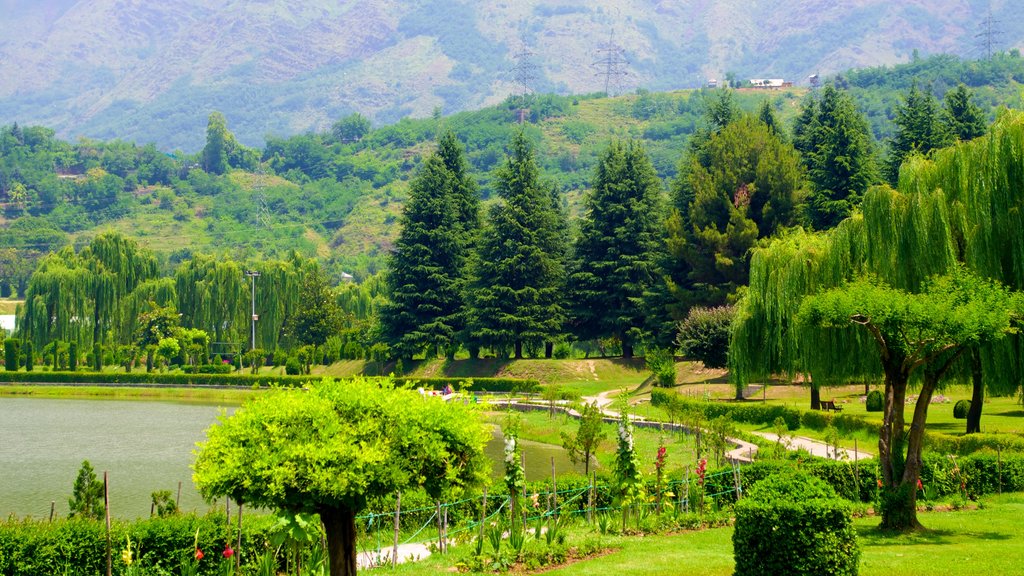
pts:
[152, 71]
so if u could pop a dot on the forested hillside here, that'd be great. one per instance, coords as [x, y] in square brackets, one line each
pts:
[152, 72]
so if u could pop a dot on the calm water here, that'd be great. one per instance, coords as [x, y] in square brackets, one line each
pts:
[144, 446]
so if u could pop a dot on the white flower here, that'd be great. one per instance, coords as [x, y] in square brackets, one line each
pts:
[510, 448]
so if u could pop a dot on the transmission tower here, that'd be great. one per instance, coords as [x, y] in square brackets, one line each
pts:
[526, 71]
[989, 35]
[611, 65]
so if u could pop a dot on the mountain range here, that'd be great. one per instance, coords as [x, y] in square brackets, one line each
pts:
[153, 71]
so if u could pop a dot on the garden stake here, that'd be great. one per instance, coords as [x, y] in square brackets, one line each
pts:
[553, 501]
[238, 545]
[177, 501]
[999, 466]
[440, 530]
[52, 504]
[106, 507]
[590, 498]
[483, 514]
[398, 508]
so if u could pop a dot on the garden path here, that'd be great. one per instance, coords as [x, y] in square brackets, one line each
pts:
[816, 447]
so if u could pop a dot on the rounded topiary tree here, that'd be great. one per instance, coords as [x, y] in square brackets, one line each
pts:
[332, 448]
[794, 523]
[961, 408]
[874, 401]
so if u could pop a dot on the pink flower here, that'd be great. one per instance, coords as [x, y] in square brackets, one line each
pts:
[659, 462]
[199, 554]
[919, 485]
[228, 552]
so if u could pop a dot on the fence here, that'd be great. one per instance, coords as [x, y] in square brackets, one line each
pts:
[401, 532]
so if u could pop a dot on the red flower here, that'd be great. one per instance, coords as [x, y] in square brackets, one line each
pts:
[919, 485]
[879, 482]
[228, 552]
[199, 554]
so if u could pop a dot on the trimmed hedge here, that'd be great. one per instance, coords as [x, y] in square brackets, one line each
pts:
[208, 369]
[77, 547]
[961, 408]
[751, 413]
[793, 523]
[249, 380]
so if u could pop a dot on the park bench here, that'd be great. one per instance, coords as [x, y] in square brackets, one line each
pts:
[830, 405]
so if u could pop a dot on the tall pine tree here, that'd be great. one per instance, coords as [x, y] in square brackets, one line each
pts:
[918, 129]
[424, 310]
[837, 151]
[617, 249]
[963, 118]
[516, 275]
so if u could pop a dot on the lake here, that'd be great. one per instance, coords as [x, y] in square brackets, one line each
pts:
[145, 446]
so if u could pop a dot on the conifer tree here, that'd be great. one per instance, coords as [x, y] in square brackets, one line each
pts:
[424, 277]
[834, 139]
[918, 129]
[963, 118]
[615, 260]
[516, 279]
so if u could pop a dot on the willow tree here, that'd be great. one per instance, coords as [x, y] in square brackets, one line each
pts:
[330, 449]
[77, 297]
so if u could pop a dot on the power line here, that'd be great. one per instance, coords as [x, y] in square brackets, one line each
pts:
[611, 65]
[526, 71]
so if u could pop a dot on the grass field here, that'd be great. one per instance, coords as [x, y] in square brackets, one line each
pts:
[978, 542]
[9, 306]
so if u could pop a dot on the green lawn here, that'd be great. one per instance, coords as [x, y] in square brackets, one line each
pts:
[540, 427]
[983, 542]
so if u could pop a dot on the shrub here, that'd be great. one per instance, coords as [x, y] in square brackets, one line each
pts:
[562, 351]
[793, 523]
[961, 408]
[704, 335]
[73, 356]
[662, 363]
[874, 401]
[97, 357]
[30, 356]
[293, 367]
[11, 353]
[749, 413]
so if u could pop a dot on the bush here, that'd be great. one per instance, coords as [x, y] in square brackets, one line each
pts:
[749, 413]
[562, 351]
[11, 353]
[874, 402]
[793, 523]
[662, 363]
[704, 335]
[960, 409]
[293, 367]
[207, 369]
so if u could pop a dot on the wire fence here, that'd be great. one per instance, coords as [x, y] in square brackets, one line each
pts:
[400, 532]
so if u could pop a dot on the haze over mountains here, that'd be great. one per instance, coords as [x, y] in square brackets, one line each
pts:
[152, 71]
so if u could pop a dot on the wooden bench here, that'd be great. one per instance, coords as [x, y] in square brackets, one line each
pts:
[830, 405]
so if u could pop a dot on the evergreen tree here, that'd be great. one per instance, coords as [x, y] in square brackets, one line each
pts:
[963, 119]
[516, 281]
[617, 246]
[425, 310]
[918, 129]
[87, 494]
[839, 158]
[767, 117]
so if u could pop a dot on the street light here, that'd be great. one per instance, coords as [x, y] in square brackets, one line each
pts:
[253, 275]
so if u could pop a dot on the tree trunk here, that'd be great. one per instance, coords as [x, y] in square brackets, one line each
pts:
[340, 528]
[978, 394]
[815, 396]
[519, 350]
[627, 350]
[549, 350]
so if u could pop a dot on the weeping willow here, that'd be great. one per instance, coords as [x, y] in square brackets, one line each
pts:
[963, 205]
[77, 297]
[215, 295]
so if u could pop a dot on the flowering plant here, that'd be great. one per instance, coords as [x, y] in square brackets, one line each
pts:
[628, 478]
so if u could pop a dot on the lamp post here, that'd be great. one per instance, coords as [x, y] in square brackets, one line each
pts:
[253, 275]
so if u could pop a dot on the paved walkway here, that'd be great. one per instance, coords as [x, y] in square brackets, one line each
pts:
[816, 447]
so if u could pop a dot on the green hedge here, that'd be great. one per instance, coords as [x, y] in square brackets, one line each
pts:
[77, 547]
[973, 443]
[249, 380]
[874, 402]
[961, 408]
[749, 412]
[793, 523]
